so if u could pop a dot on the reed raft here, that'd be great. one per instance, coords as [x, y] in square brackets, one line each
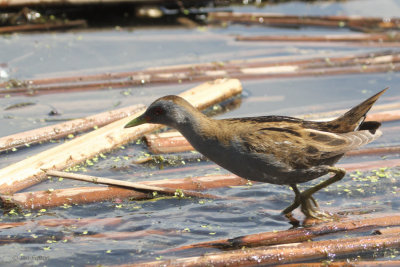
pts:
[28, 172]
[261, 68]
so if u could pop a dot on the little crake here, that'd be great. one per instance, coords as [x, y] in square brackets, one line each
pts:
[271, 149]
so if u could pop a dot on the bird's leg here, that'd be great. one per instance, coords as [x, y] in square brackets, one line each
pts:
[307, 194]
[310, 202]
[339, 174]
[296, 201]
[305, 199]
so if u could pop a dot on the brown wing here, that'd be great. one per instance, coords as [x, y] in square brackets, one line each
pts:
[352, 120]
[299, 147]
[332, 144]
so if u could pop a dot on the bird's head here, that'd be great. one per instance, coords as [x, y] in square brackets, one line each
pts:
[168, 110]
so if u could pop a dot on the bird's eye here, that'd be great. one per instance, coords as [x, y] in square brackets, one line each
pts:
[158, 111]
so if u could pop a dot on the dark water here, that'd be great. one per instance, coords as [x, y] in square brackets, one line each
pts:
[170, 222]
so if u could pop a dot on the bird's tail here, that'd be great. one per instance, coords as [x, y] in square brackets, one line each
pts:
[353, 120]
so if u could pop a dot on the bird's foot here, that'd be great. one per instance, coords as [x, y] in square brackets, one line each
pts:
[308, 206]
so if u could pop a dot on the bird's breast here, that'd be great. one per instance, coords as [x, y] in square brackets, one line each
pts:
[230, 154]
[263, 167]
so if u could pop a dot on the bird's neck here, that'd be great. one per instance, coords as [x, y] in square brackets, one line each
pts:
[195, 126]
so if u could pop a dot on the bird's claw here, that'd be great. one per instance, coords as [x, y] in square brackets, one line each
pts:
[310, 209]
[308, 206]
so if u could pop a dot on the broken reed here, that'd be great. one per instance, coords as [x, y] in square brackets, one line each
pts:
[281, 20]
[91, 194]
[357, 39]
[243, 69]
[84, 195]
[348, 263]
[296, 235]
[128, 185]
[29, 171]
[56, 131]
[312, 250]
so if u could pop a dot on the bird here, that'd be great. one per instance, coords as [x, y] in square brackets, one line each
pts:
[272, 149]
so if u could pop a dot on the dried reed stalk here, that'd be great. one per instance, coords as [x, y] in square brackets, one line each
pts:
[356, 38]
[378, 263]
[28, 172]
[243, 69]
[385, 116]
[297, 234]
[167, 142]
[357, 23]
[312, 250]
[176, 71]
[126, 184]
[83, 195]
[374, 151]
[377, 112]
[64, 129]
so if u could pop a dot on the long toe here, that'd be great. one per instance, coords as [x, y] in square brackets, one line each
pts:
[314, 202]
[309, 207]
